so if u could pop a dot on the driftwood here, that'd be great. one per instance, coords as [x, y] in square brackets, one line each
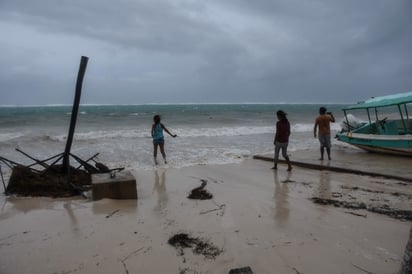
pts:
[97, 168]
[40, 162]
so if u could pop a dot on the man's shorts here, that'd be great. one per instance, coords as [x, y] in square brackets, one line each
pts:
[325, 140]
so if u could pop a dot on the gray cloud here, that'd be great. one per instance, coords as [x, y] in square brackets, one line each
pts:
[195, 51]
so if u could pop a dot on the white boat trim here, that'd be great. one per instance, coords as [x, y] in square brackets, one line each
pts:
[406, 137]
[394, 151]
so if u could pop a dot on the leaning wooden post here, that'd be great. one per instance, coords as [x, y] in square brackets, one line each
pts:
[407, 257]
[80, 76]
[2, 179]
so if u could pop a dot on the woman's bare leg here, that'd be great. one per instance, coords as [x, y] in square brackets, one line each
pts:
[155, 153]
[162, 150]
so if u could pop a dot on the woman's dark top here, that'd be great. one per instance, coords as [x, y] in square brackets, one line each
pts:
[282, 131]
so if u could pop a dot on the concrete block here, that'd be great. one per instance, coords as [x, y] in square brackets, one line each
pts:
[243, 270]
[121, 186]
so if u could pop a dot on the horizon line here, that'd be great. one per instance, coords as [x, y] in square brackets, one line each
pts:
[177, 104]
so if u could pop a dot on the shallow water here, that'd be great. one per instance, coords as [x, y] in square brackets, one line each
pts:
[207, 134]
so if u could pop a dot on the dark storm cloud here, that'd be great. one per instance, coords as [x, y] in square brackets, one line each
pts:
[205, 51]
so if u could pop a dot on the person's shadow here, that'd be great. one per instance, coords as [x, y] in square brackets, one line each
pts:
[281, 195]
[324, 190]
[160, 187]
[68, 206]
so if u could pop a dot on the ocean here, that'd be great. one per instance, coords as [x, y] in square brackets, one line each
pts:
[207, 133]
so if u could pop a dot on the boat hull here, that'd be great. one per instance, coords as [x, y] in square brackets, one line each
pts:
[388, 144]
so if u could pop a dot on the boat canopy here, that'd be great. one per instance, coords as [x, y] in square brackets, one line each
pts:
[383, 101]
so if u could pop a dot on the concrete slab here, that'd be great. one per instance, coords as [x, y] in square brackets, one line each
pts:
[121, 186]
[243, 270]
[352, 160]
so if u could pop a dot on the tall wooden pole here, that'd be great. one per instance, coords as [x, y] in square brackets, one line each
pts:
[406, 267]
[80, 76]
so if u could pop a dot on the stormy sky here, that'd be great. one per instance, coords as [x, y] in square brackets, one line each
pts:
[214, 51]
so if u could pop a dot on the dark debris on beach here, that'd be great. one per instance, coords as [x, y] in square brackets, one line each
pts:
[198, 246]
[199, 193]
[403, 215]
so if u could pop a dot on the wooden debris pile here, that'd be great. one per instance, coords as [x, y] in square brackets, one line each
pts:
[54, 180]
[57, 178]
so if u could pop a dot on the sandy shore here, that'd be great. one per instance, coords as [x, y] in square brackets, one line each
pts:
[258, 217]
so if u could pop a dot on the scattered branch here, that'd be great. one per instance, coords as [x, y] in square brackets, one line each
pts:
[111, 214]
[360, 268]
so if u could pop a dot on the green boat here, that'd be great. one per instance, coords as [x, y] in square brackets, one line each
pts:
[388, 126]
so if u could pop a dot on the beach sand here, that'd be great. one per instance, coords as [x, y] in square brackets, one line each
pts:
[258, 217]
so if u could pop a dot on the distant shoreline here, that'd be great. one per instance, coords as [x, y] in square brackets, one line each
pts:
[173, 104]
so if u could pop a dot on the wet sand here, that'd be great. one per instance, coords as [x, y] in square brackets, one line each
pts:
[257, 217]
[353, 160]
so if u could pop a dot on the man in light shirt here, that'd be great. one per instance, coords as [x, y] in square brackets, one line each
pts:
[322, 128]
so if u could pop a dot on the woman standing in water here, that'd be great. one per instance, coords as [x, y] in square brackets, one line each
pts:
[282, 138]
[158, 138]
